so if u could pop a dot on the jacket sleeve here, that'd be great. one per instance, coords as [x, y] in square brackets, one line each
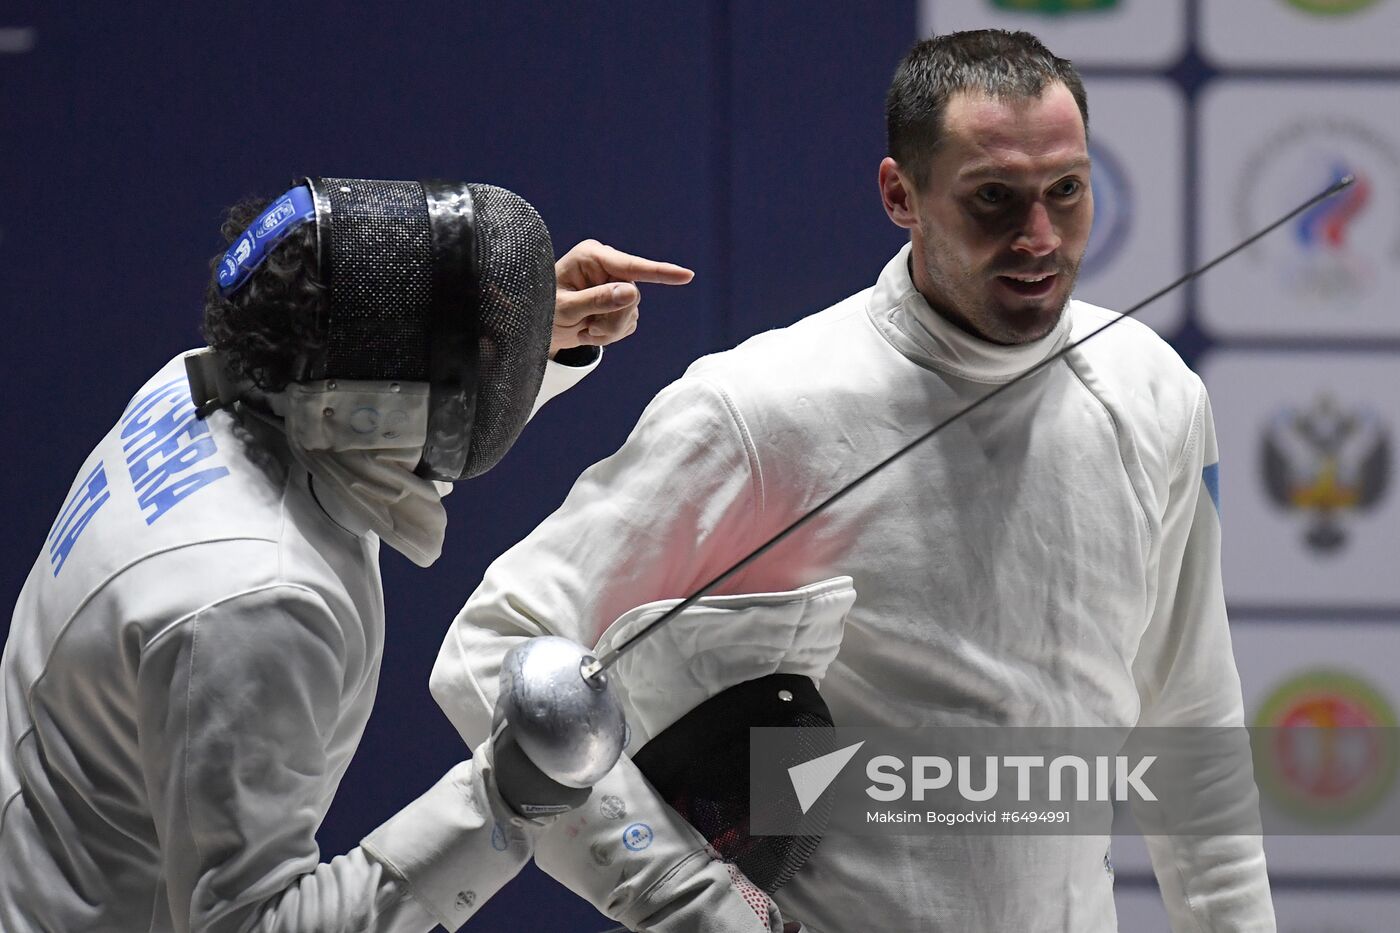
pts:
[1186, 676]
[238, 706]
[657, 519]
[560, 377]
[662, 516]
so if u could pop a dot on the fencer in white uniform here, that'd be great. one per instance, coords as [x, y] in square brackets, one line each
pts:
[1053, 559]
[195, 654]
[179, 689]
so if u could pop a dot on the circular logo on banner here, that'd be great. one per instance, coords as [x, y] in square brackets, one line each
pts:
[1329, 755]
[1113, 210]
[1331, 7]
[1330, 253]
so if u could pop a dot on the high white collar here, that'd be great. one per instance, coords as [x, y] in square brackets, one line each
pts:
[902, 314]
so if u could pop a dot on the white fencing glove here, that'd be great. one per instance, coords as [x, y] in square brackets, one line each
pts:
[632, 857]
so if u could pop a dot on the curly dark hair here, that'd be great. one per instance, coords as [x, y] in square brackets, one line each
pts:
[272, 323]
[1001, 64]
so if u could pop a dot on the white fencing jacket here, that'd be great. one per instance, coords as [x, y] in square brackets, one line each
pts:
[1051, 559]
[189, 669]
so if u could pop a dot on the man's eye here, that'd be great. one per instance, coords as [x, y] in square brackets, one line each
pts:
[991, 194]
[1068, 188]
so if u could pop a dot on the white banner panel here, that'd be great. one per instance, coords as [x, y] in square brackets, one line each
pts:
[1336, 911]
[1275, 657]
[1335, 270]
[1307, 475]
[1307, 466]
[1141, 911]
[1138, 151]
[1315, 673]
[1301, 33]
[1138, 33]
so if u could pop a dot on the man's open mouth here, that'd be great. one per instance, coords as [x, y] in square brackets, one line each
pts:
[1029, 284]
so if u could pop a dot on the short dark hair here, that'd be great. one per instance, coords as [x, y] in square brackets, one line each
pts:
[273, 322]
[1001, 64]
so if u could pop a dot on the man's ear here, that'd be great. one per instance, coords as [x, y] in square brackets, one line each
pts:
[897, 193]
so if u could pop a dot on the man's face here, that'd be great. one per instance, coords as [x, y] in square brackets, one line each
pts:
[1002, 220]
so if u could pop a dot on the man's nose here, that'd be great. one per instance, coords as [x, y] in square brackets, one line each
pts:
[1037, 236]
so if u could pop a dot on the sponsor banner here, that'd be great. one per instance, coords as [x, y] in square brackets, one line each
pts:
[1089, 32]
[1136, 142]
[1335, 910]
[1322, 776]
[1317, 681]
[1309, 510]
[1332, 272]
[1331, 676]
[1301, 33]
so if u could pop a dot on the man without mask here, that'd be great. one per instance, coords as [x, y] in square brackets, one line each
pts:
[1051, 560]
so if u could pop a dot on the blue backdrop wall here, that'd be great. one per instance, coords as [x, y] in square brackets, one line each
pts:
[740, 140]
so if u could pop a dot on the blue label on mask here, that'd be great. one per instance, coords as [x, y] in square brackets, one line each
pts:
[272, 226]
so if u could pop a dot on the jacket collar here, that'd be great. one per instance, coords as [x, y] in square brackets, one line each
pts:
[902, 315]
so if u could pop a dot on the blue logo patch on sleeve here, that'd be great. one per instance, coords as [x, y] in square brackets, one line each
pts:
[637, 837]
[77, 512]
[162, 440]
[1211, 477]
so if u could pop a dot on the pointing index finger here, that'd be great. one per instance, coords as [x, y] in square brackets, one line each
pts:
[631, 268]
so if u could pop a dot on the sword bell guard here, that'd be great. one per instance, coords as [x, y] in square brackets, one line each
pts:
[570, 725]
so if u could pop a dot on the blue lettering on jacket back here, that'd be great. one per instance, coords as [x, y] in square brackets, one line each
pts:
[80, 509]
[163, 440]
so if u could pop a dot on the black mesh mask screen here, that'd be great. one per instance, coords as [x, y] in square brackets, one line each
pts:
[700, 766]
[398, 297]
[515, 314]
[376, 250]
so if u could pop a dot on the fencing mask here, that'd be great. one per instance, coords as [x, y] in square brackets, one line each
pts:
[438, 312]
[692, 691]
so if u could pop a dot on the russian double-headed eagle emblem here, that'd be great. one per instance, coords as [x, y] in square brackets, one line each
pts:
[1327, 463]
